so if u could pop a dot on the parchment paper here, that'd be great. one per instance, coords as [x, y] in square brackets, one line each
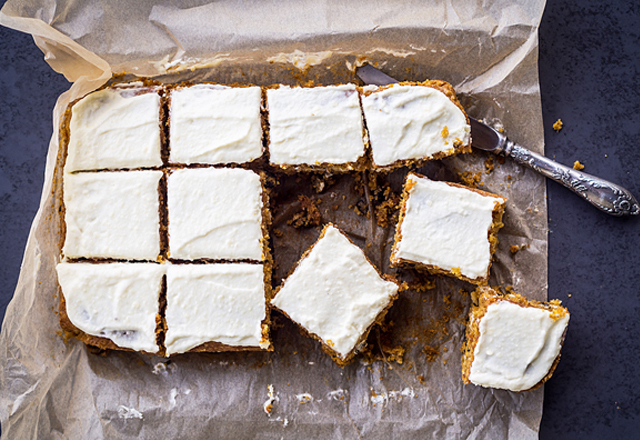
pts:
[52, 388]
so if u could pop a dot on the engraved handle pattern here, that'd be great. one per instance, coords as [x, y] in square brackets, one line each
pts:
[604, 195]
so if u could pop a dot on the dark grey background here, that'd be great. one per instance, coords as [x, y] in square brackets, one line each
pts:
[589, 72]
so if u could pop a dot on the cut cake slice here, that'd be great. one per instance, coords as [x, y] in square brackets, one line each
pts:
[115, 128]
[111, 305]
[216, 214]
[447, 228]
[512, 343]
[413, 122]
[112, 215]
[215, 124]
[335, 294]
[216, 307]
[315, 127]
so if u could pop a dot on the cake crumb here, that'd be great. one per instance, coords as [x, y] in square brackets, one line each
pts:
[309, 214]
[578, 166]
[488, 164]
[268, 405]
[470, 178]
[557, 126]
[514, 248]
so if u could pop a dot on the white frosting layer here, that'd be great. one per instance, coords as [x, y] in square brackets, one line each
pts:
[315, 125]
[215, 302]
[215, 213]
[447, 227]
[112, 215]
[117, 301]
[407, 122]
[215, 124]
[516, 347]
[115, 128]
[335, 293]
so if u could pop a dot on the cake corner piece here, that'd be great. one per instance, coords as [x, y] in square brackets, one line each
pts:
[493, 357]
[410, 123]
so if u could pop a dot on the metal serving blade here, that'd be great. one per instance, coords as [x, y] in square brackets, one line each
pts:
[604, 195]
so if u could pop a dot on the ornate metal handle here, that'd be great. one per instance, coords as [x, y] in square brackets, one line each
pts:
[604, 195]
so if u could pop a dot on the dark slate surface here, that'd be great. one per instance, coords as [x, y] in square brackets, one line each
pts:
[589, 71]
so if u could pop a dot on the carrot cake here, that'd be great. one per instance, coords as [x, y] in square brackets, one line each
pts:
[409, 122]
[117, 301]
[215, 213]
[447, 228]
[512, 343]
[115, 128]
[315, 127]
[112, 214]
[220, 305]
[215, 124]
[335, 294]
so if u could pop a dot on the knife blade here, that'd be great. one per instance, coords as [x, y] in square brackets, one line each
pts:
[604, 195]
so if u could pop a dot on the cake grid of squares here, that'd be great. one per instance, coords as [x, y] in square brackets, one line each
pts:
[187, 222]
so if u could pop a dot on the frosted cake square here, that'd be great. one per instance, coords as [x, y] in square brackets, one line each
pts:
[447, 228]
[112, 215]
[215, 213]
[216, 307]
[215, 124]
[113, 305]
[315, 127]
[512, 343]
[116, 128]
[412, 122]
[335, 294]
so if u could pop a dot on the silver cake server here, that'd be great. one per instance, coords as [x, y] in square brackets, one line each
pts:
[604, 195]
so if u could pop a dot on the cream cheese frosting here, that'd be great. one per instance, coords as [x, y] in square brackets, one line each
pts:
[447, 227]
[215, 302]
[118, 301]
[115, 129]
[335, 293]
[215, 124]
[412, 122]
[312, 126]
[215, 213]
[112, 215]
[516, 347]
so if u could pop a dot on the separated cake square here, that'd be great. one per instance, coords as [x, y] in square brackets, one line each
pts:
[222, 306]
[215, 124]
[447, 228]
[117, 128]
[409, 122]
[512, 343]
[116, 301]
[112, 215]
[215, 213]
[335, 294]
[315, 126]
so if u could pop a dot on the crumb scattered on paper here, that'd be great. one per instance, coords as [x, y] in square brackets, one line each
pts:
[578, 166]
[557, 126]
[489, 164]
[268, 405]
[470, 178]
[128, 413]
[304, 398]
